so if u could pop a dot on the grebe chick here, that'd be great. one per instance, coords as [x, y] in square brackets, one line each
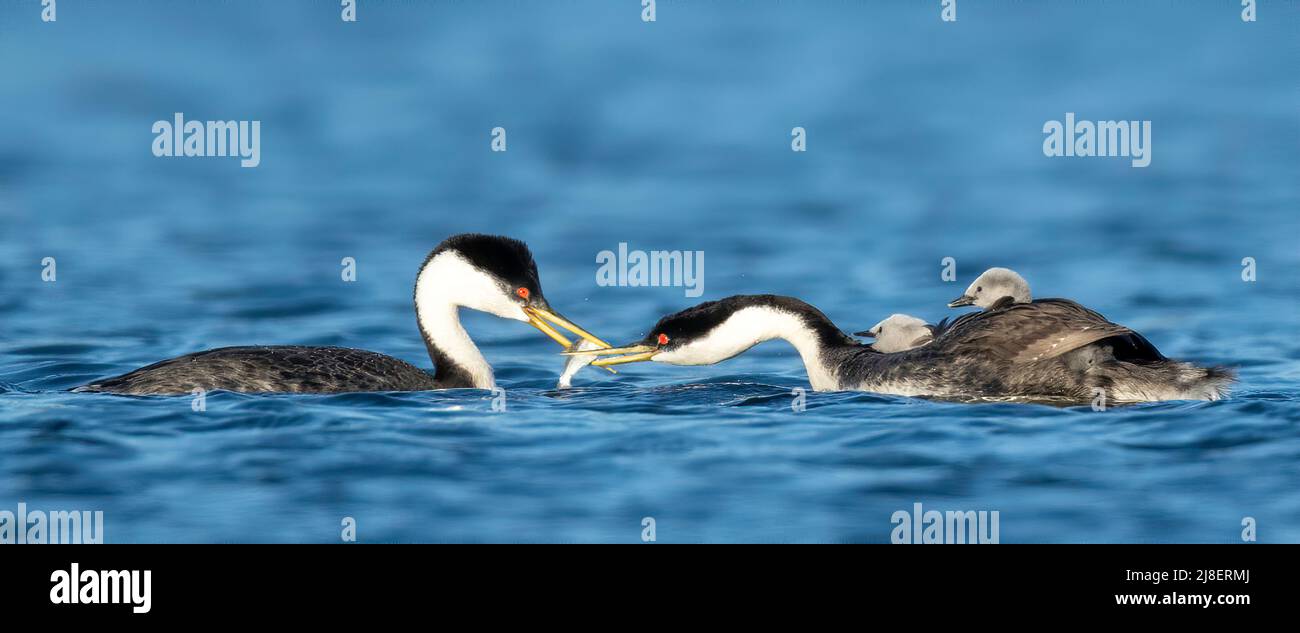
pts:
[995, 288]
[897, 333]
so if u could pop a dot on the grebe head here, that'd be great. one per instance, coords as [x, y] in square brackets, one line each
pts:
[714, 331]
[992, 286]
[691, 337]
[899, 332]
[492, 274]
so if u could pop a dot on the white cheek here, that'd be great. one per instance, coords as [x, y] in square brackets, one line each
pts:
[450, 279]
[518, 315]
[506, 308]
[687, 355]
[487, 297]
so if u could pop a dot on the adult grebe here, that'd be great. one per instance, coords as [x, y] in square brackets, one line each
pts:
[489, 273]
[1044, 350]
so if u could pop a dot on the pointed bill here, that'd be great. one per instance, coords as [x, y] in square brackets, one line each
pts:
[619, 360]
[566, 324]
[559, 338]
[607, 351]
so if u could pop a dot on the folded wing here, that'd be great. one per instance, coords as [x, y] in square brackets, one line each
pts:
[1044, 329]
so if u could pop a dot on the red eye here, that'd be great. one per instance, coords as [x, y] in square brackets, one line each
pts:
[663, 339]
[522, 292]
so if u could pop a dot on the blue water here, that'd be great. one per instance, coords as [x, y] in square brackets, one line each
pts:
[924, 142]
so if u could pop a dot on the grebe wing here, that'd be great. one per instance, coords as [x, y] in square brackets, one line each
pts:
[1029, 332]
[271, 369]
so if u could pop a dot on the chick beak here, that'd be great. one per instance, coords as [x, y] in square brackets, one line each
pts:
[963, 300]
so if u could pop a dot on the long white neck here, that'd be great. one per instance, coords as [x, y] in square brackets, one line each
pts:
[440, 290]
[750, 326]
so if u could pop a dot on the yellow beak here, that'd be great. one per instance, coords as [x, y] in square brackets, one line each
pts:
[621, 355]
[535, 312]
[536, 316]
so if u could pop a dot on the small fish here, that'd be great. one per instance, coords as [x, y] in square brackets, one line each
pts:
[576, 363]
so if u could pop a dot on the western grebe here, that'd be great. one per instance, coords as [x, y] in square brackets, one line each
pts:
[897, 333]
[1051, 350]
[488, 273]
